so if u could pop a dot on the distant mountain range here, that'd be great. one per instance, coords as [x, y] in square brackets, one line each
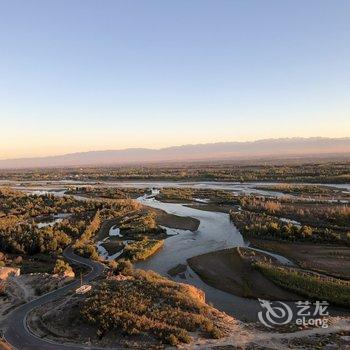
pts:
[270, 148]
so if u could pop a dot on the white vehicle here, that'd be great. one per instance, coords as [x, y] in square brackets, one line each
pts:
[83, 289]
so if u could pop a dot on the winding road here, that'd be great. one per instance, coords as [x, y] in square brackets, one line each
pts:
[216, 232]
[17, 333]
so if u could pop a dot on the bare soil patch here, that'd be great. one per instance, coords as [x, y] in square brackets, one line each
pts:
[4, 345]
[231, 271]
[221, 208]
[328, 259]
[21, 289]
[177, 222]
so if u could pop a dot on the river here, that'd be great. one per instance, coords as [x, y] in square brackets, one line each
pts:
[215, 232]
[236, 187]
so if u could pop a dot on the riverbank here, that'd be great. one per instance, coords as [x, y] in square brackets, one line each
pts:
[231, 270]
[215, 232]
[328, 259]
[177, 222]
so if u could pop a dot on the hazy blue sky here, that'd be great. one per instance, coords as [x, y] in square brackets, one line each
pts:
[86, 75]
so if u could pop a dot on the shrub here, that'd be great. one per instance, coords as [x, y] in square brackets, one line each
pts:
[148, 304]
[62, 267]
[313, 286]
[141, 250]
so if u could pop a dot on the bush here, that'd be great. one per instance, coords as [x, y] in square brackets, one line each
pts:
[62, 267]
[264, 226]
[148, 304]
[141, 250]
[87, 251]
[313, 286]
[121, 266]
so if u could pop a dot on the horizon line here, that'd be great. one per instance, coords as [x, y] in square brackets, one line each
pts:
[173, 146]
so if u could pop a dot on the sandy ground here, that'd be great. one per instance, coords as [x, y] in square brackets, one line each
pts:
[18, 291]
[336, 336]
[21, 289]
[227, 270]
[4, 345]
[177, 222]
[59, 321]
[327, 259]
[237, 335]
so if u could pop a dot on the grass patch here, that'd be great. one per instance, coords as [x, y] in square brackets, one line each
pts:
[141, 250]
[333, 290]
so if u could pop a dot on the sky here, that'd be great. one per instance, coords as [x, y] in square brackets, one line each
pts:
[81, 75]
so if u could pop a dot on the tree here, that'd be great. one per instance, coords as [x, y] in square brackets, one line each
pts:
[62, 268]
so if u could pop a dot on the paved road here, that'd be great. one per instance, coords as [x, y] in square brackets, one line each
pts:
[17, 333]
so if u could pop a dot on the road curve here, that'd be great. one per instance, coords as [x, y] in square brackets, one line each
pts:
[18, 335]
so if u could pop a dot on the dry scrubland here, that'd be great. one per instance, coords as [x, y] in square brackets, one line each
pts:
[18, 290]
[105, 192]
[147, 308]
[190, 194]
[144, 306]
[141, 310]
[308, 191]
[321, 214]
[130, 307]
[319, 242]
[323, 171]
[88, 221]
